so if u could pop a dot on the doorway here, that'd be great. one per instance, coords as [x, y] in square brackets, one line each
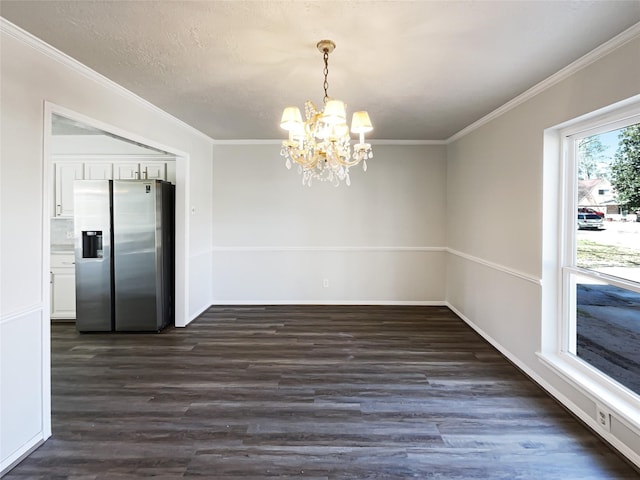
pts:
[100, 142]
[72, 122]
[181, 163]
[82, 152]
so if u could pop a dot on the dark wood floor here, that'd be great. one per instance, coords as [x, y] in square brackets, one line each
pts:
[310, 392]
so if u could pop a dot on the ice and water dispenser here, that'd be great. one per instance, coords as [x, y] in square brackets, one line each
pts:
[92, 244]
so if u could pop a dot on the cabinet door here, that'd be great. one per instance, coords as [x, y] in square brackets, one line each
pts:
[153, 171]
[63, 293]
[66, 174]
[98, 171]
[126, 171]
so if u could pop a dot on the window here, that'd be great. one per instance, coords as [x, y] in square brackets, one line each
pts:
[600, 266]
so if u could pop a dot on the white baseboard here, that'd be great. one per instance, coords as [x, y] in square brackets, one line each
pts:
[16, 457]
[199, 312]
[623, 449]
[434, 303]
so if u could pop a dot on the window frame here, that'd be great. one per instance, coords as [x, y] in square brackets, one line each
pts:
[559, 338]
[569, 202]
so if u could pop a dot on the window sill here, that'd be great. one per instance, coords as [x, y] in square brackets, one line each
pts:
[623, 403]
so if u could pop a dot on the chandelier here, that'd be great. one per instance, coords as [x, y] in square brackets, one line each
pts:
[321, 145]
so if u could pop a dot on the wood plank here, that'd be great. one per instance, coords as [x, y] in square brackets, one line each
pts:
[314, 392]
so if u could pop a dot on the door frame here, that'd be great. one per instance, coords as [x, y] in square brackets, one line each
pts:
[181, 232]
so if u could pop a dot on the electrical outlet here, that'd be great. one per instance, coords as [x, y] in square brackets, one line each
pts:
[325, 283]
[603, 417]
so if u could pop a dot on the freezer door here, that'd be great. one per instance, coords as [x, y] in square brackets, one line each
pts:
[92, 229]
[137, 224]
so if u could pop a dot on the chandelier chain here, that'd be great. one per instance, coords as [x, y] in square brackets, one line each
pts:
[326, 74]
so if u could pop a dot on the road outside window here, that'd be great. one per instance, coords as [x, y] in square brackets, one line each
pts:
[607, 241]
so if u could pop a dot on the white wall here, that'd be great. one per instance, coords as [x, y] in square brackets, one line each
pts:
[29, 78]
[495, 264]
[381, 240]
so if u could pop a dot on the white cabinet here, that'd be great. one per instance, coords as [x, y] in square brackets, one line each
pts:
[126, 171]
[154, 170]
[98, 171]
[66, 172]
[141, 171]
[65, 175]
[63, 286]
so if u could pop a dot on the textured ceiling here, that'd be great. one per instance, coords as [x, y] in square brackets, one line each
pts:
[423, 69]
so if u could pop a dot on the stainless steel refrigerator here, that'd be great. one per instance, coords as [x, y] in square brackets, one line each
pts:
[124, 237]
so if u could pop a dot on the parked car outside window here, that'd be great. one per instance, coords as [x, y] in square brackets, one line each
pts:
[590, 221]
[590, 210]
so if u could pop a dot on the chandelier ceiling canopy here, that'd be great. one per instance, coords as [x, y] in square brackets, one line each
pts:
[320, 144]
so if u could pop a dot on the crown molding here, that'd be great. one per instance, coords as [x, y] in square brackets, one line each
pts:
[240, 141]
[606, 48]
[39, 45]
[278, 142]
[407, 142]
[44, 48]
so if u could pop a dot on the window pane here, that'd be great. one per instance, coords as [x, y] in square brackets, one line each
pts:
[608, 216]
[608, 330]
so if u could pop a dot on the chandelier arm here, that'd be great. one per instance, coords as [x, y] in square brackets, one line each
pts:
[347, 163]
[306, 164]
[301, 159]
